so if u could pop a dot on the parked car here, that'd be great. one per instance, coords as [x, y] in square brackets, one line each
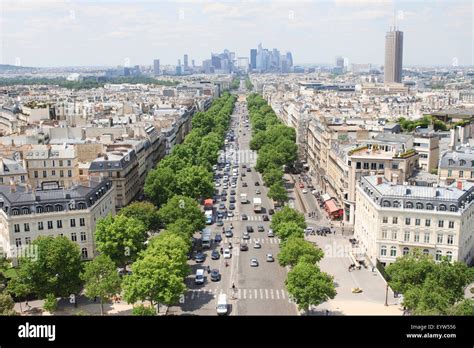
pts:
[305, 191]
[200, 257]
[249, 170]
[260, 228]
[228, 233]
[230, 213]
[218, 238]
[232, 192]
[244, 184]
[249, 229]
[271, 211]
[227, 254]
[257, 245]
[215, 255]
[220, 223]
[244, 217]
[221, 205]
[244, 247]
[231, 207]
[253, 263]
[270, 258]
[232, 199]
[265, 218]
[270, 233]
[246, 235]
[257, 191]
[257, 183]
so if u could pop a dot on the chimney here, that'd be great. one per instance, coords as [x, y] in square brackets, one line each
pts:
[379, 180]
[459, 185]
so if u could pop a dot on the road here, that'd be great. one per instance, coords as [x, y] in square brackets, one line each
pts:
[258, 290]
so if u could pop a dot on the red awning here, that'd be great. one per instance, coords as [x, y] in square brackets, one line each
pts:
[208, 201]
[331, 206]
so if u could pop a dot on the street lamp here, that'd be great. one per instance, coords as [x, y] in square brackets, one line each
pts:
[386, 295]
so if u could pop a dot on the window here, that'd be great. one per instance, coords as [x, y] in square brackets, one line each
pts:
[407, 221]
[472, 174]
[453, 208]
[26, 227]
[82, 222]
[366, 165]
[386, 203]
[396, 204]
[395, 220]
[84, 253]
[461, 173]
[394, 235]
[53, 173]
[373, 166]
[18, 242]
[426, 252]
[419, 205]
[27, 240]
[462, 162]
[441, 223]
[83, 236]
[44, 173]
[393, 251]
[59, 223]
[50, 225]
[40, 226]
[383, 251]
[74, 236]
[394, 165]
[15, 212]
[442, 207]
[25, 211]
[417, 222]
[429, 206]
[450, 239]
[73, 222]
[451, 162]
[438, 255]
[36, 174]
[450, 172]
[449, 255]
[58, 207]
[417, 237]
[61, 173]
[409, 205]
[439, 240]
[385, 219]
[358, 165]
[427, 222]
[60, 163]
[17, 227]
[407, 236]
[69, 173]
[406, 251]
[451, 224]
[68, 163]
[427, 238]
[380, 165]
[384, 234]
[39, 210]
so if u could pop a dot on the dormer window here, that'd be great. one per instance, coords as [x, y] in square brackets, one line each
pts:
[442, 207]
[451, 162]
[462, 162]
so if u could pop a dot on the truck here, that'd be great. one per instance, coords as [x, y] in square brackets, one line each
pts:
[243, 198]
[206, 238]
[208, 215]
[208, 204]
[257, 204]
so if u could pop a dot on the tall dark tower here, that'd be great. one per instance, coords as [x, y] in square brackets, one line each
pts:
[393, 56]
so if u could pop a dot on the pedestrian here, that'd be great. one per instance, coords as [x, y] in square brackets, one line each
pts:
[222, 250]
[327, 312]
[233, 286]
[373, 268]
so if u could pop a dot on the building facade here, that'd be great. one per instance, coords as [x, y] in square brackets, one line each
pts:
[393, 57]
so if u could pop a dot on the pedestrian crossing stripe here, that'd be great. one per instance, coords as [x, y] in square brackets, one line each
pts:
[253, 240]
[239, 218]
[243, 294]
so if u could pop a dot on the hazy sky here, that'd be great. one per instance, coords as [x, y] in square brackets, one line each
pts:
[71, 33]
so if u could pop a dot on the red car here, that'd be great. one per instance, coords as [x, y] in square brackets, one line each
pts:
[301, 185]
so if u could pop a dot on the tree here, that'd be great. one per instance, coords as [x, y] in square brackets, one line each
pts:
[50, 303]
[288, 214]
[273, 176]
[309, 286]
[182, 207]
[174, 248]
[295, 248]
[146, 212]
[6, 304]
[286, 230]
[160, 185]
[54, 270]
[143, 311]
[154, 278]
[278, 193]
[465, 307]
[121, 238]
[101, 279]
[182, 228]
[196, 182]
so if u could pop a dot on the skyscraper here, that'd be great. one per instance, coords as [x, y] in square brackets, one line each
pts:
[393, 56]
[253, 58]
[289, 59]
[340, 62]
[185, 62]
[156, 66]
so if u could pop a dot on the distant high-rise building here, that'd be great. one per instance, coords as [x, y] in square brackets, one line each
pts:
[253, 58]
[192, 63]
[156, 66]
[179, 63]
[340, 62]
[185, 61]
[393, 56]
[289, 59]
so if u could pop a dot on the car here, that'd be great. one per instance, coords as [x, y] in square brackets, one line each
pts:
[218, 184]
[260, 228]
[200, 257]
[227, 254]
[220, 223]
[233, 185]
[248, 170]
[257, 191]
[244, 166]
[218, 238]
[230, 213]
[231, 207]
[215, 275]
[223, 198]
[301, 185]
[244, 184]
[257, 245]
[270, 233]
[257, 183]
[220, 214]
[232, 192]
[221, 205]
[244, 217]
[243, 174]
[199, 279]
[225, 186]
[305, 191]
[215, 255]
[271, 211]
[314, 192]
[244, 247]
[253, 263]
[309, 230]
[265, 218]
[232, 199]
[270, 258]
[249, 229]
[228, 233]
[245, 235]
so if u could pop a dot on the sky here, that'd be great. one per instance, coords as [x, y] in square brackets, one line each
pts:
[48, 33]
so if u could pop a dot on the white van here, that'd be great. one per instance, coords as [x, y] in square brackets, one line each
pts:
[221, 304]
[199, 276]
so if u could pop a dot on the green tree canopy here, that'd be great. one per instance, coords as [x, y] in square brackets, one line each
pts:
[182, 207]
[278, 193]
[146, 212]
[160, 185]
[287, 214]
[295, 248]
[6, 304]
[195, 182]
[286, 230]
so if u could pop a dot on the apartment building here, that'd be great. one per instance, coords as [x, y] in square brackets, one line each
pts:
[426, 143]
[457, 165]
[73, 212]
[50, 164]
[438, 221]
[12, 172]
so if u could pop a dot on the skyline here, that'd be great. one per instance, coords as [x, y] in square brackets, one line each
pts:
[436, 32]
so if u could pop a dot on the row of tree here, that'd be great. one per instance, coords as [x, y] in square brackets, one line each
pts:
[431, 288]
[235, 84]
[275, 144]
[305, 282]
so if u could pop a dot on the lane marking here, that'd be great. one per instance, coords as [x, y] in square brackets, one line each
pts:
[271, 293]
[266, 294]
[261, 294]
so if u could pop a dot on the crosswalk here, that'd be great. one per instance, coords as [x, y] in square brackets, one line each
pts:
[253, 240]
[241, 294]
[239, 218]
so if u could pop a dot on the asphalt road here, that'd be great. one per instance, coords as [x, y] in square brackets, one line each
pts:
[258, 290]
